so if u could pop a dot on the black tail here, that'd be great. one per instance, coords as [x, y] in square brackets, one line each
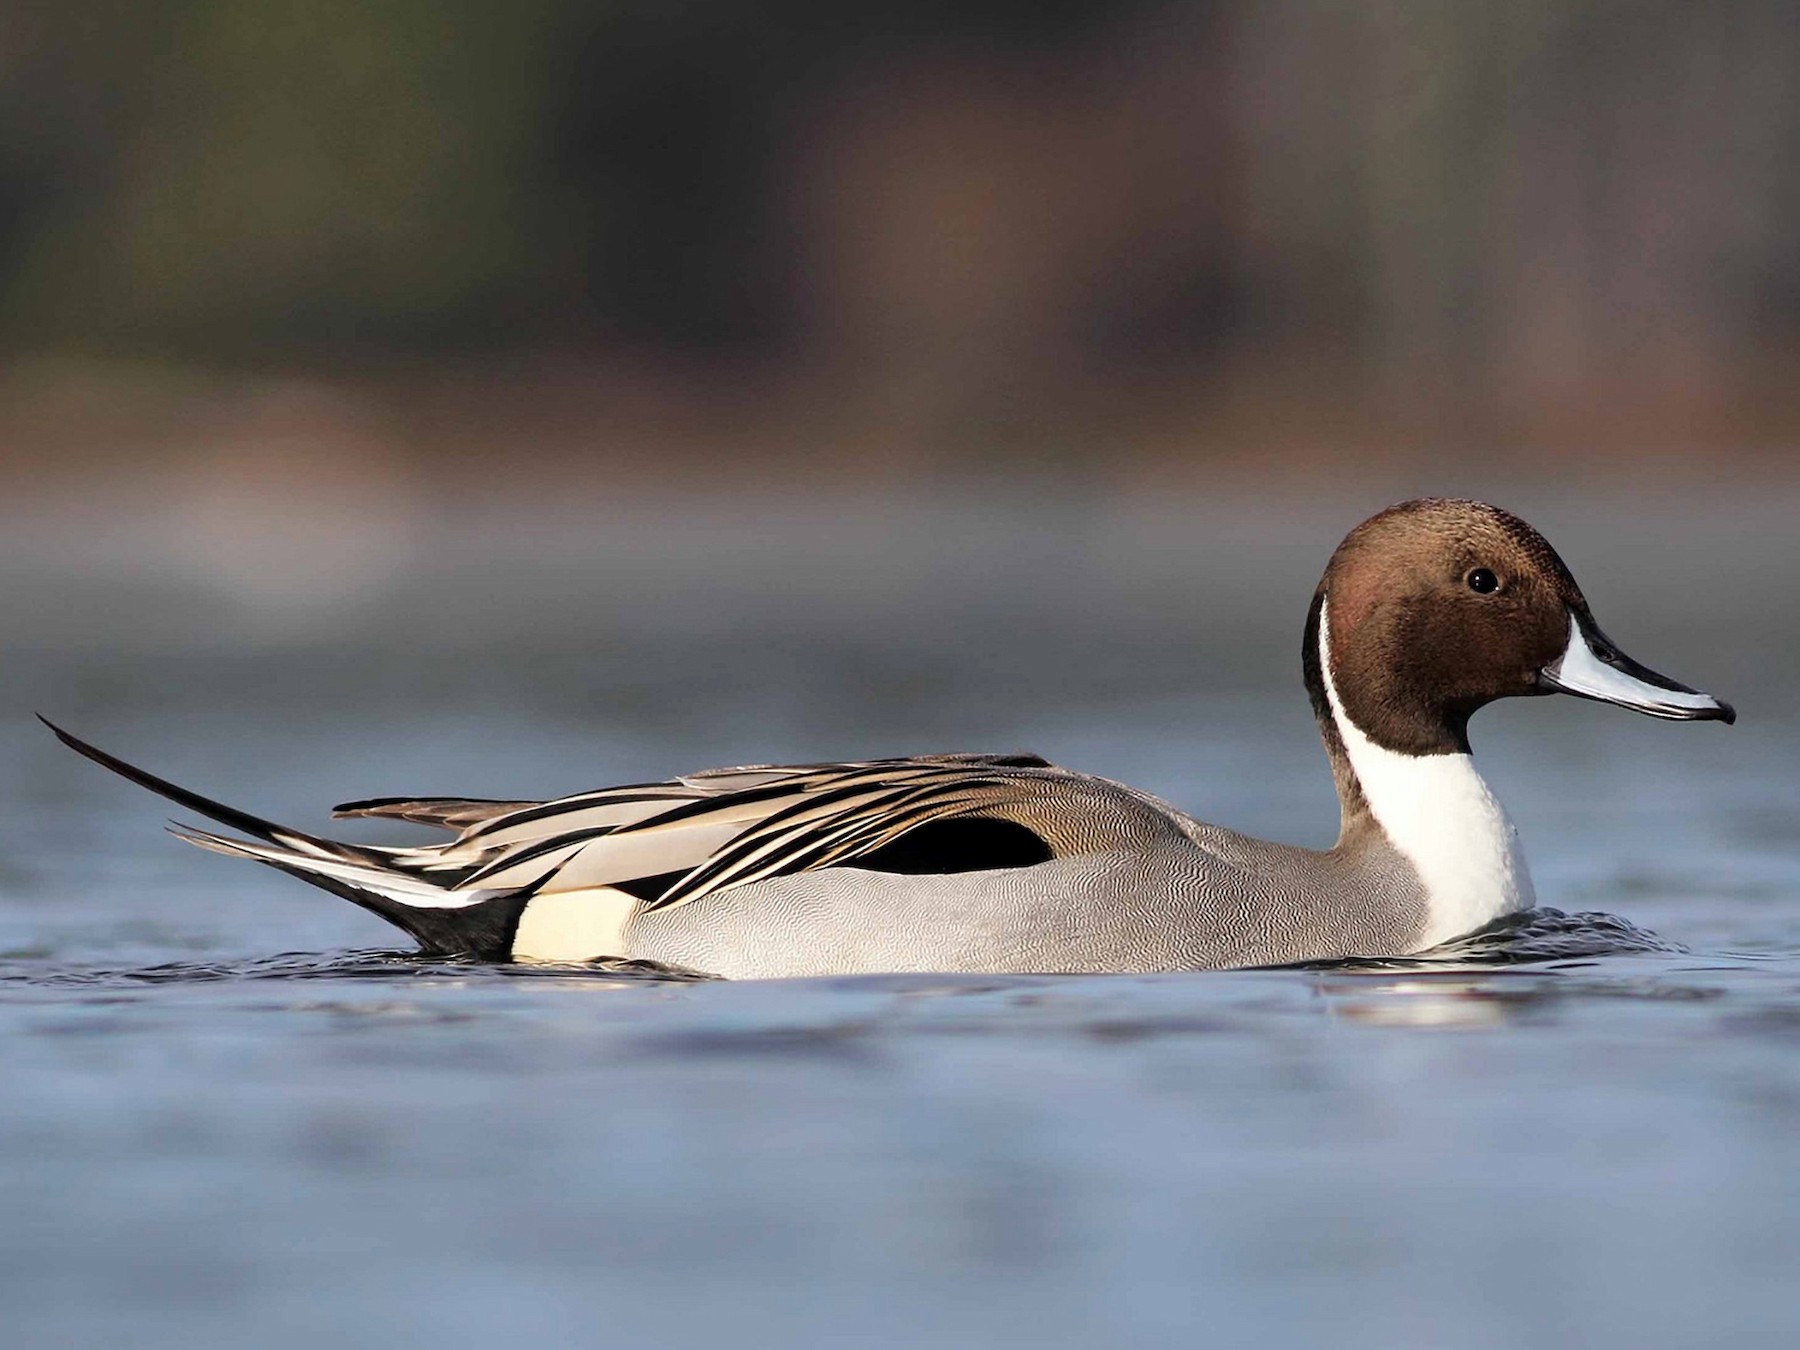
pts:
[480, 924]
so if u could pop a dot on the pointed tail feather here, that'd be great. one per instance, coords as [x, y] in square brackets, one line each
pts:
[254, 826]
[444, 921]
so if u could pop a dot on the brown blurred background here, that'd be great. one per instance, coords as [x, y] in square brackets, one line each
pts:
[656, 240]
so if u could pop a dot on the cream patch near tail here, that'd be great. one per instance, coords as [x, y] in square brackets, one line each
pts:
[580, 925]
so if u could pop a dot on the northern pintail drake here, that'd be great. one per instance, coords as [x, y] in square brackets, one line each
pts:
[1426, 612]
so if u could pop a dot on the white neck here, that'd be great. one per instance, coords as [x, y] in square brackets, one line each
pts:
[1438, 811]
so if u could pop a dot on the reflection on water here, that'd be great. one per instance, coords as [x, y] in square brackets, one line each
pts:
[1448, 1004]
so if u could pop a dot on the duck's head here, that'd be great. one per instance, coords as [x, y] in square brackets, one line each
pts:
[1434, 608]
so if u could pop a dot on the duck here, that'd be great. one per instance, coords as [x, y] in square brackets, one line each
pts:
[1007, 863]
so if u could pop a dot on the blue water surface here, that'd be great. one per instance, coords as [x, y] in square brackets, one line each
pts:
[232, 1114]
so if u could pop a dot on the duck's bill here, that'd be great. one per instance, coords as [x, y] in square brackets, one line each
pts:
[1592, 667]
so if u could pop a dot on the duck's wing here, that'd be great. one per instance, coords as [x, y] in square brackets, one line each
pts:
[674, 842]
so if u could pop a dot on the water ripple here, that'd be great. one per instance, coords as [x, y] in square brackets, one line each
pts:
[1535, 937]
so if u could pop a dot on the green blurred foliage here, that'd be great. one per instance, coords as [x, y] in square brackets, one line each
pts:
[196, 175]
[202, 172]
[1412, 185]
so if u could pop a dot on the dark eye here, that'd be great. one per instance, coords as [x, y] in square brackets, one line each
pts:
[1483, 582]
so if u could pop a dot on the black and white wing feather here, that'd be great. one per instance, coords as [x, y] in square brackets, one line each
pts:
[676, 842]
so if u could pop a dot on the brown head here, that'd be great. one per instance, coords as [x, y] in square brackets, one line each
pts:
[1434, 608]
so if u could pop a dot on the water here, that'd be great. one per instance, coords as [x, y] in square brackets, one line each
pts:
[231, 1114]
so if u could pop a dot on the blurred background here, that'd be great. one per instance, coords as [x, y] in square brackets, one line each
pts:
[832, 380]
[706, 241]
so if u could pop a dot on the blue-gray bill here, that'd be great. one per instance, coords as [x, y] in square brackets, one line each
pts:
[1591, 666]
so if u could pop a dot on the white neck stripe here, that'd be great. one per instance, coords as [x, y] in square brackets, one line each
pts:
[1439, 813]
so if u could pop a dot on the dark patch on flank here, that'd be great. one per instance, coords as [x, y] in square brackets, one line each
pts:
[963, 845]
[651, 888]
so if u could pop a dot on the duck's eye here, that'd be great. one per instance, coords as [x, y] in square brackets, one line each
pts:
[1483, 582]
